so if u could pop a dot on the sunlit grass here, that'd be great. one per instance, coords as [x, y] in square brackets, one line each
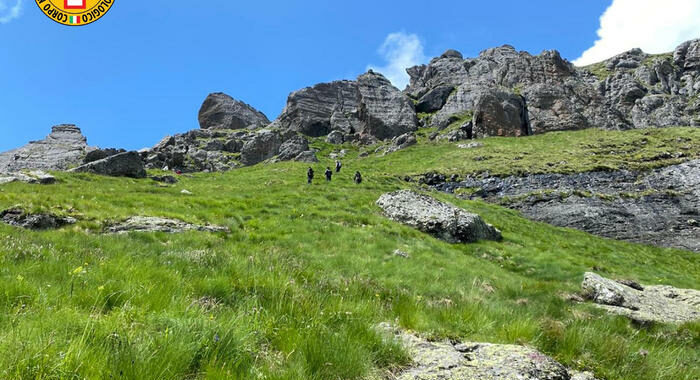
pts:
[293, 292]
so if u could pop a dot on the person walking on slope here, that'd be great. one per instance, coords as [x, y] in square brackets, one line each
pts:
[329, 174]
[338, 166]
[309, 176]
[358, 178]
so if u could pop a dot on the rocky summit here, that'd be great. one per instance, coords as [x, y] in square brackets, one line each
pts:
[370, 105]
[64, 148]
[220, 111]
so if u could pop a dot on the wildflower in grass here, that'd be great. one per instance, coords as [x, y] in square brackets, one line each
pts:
[20, 278]
[100, 288]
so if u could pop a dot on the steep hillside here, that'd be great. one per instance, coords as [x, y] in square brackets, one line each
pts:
[297, 287]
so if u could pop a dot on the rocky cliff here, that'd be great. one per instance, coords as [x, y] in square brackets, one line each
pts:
[518, 93]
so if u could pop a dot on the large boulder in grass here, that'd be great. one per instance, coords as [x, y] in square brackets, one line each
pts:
[641, 303]
[436, 218]
[128, 164]
[220, 111]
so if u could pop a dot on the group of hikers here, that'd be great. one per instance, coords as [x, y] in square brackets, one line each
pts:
[329, 173]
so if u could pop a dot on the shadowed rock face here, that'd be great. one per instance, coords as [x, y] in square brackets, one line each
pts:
[631, 90]
[370, 105]
[220, 111]
[643, 303]
[128, 164]
[436, 218]
[64, 147]
[659, 207]
[19, 218]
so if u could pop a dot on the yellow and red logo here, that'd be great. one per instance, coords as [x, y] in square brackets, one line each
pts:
[75, 12]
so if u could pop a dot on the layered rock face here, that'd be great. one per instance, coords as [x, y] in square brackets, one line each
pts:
[231, 136]
[660, 207]
[220, 111]
[632, 90]
[65, 147]
[368, 106]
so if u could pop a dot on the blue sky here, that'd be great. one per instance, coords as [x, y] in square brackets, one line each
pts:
[143, 70]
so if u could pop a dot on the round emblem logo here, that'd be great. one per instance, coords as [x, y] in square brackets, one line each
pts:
[75, 12]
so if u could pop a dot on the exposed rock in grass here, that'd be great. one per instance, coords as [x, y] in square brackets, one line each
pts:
[127, 164]
[155, 224]
[659, 303]
[439, 219]
[64, 147]
[165, 179]
[19, 218]
[33, 176]
[477, 361]
[656, 207]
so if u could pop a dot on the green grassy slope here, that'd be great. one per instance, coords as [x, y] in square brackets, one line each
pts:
[294, 290]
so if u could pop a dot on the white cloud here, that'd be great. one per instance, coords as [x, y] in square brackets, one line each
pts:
[654, 26]
[10, 12]
[400, 51]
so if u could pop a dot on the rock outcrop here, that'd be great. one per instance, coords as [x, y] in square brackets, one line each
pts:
[476, 361]
[128, 164]
[19, 218]
[631, 90]
[436, 218]
[155, 224]
[659, 207]
[64, 148]
[27, 176]
[368, 106]
[232, 135]
[220, 111]
[642, 303]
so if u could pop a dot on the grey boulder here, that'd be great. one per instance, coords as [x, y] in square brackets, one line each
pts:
[292, 148]
[643, 303]
[128, 164]
[220, 111]
[442, 220]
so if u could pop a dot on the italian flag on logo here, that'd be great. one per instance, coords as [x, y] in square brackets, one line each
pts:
[75, 20]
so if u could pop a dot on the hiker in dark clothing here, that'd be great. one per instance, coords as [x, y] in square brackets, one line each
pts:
[309, 175]
[338, 165]
[358, 178]
[329, 174]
